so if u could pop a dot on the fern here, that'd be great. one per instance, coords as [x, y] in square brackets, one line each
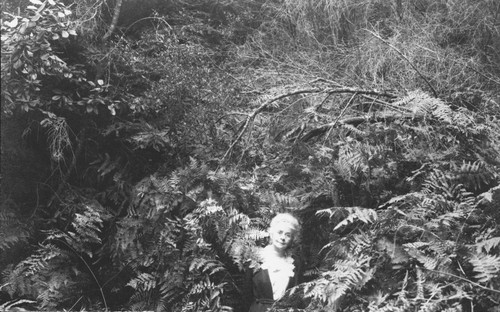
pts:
[422, 103]
[13, 304]
[354, 129]
[206, 266]
[359, 242]
[46, 276]
[446, 220]
[52, 274]
[429, 262]
[333, 285]
[12, 231]
[474, 175]
[486, 266]
[364, 215]
[351, 162]
[280, 202]
[238, 219]
[420, 283]
[144, 282]
[193, 251]
[403, 294]
[487, 245]
[205, 295]
[58, 136]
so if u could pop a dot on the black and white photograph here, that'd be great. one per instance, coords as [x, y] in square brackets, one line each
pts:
[250, 156]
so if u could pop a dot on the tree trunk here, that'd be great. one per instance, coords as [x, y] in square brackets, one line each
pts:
[116, 14]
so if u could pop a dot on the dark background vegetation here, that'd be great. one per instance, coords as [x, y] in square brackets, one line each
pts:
[147, 144]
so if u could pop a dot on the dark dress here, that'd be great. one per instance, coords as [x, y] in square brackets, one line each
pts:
[258, 295]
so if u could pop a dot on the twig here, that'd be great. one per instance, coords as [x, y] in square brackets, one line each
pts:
[119, 272]
[407, 60]
[37, 202]
[325, 81]
[351, 100]
[81, 297]
[481, 74]
[360, 91]
[246, 148]
[317, 107]
[229, 114]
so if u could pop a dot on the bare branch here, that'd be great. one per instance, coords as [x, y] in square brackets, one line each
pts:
[351, 100]
[463, 279]
[354, 121]
[400, 109]
[317, 90]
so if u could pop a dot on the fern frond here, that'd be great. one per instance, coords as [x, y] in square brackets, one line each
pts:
[420, 283]
[39, 261]
[486, 266]
[58, 136]
[353, 129]
[365, 215]
[447, 219]
[12, 231]
[312, 272]
[438, 183]
[140, 300]
[87, 226]
[422, 103]
[282, 201]
[359, 242]
[415, 251]
[255, 234]
[474, 175]
[402, 295]
[143, 282]
[236, 218]
[351, 162]
[206, 266]
[209, 207]
[241, 251]
[430, 306]
[7, 306]
[487, 245]
[346, 275]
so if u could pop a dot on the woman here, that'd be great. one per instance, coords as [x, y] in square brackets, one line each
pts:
[276, 270]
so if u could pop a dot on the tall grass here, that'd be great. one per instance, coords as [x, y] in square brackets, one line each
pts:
[451, 45]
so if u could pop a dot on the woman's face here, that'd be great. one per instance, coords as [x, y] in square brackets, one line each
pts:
[281, 236]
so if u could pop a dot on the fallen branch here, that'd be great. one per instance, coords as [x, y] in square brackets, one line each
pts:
[354, 121]
[400, 109]
[252, 116]
[317, 90]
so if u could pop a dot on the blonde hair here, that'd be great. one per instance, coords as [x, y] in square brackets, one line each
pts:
[288, 219]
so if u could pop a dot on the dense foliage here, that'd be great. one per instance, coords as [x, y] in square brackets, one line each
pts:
[147, 144]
